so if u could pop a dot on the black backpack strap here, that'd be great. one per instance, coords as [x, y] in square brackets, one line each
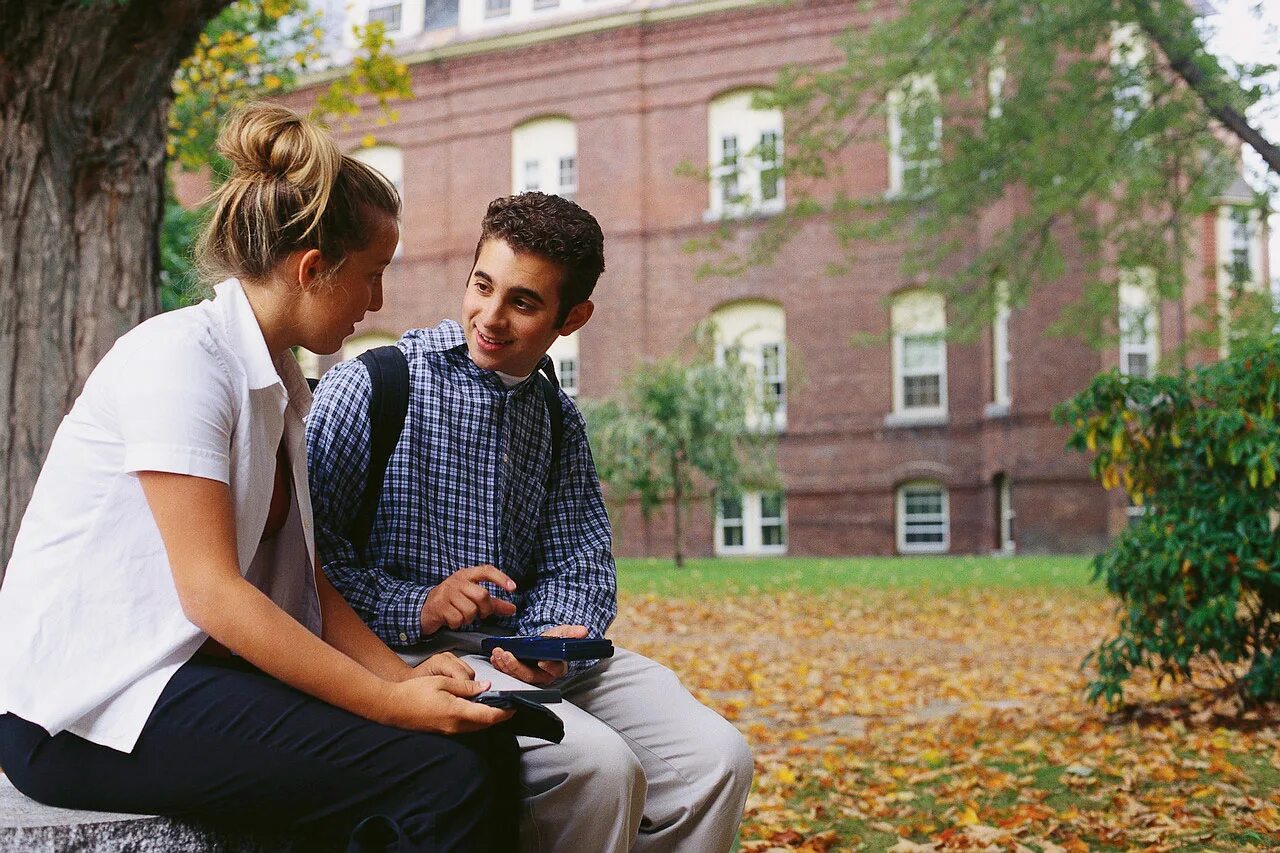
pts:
[551, 393]
[388, 405]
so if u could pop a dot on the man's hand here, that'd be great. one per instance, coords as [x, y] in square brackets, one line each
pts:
[546, 671]
[460, 599]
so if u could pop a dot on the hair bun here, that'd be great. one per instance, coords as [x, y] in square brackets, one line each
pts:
[271, 141]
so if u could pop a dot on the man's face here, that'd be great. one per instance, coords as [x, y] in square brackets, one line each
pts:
[510, 308]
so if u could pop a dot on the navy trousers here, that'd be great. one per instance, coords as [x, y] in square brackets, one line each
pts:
[228, 743]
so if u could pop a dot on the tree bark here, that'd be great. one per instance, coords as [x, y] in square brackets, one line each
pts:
[84, 97]
[677, 498]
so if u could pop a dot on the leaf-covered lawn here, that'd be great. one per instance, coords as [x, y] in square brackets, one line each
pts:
[906, 718]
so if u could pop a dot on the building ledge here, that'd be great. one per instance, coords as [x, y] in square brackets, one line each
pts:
[995, 410]
[896, 420]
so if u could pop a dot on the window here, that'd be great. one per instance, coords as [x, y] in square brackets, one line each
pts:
[1129, 87]
[1004, 514]
[924, 522]
[1139, 325]
[564, 358]
[388, 160]
[544, 156]
[1000, 356]
[545, 4]
[388, 15]
[439, 14]
[568, 177]
[1240, 265]
[757, 330]
[751, 523]
[497, 8]
[919, 354]
[745, 156]
[915, 136]
[532, 176]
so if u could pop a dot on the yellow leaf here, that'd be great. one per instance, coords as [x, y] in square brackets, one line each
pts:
[785, 775]
[968, 817]
[368, 141]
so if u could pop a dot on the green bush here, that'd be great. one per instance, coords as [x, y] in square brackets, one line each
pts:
[1197, 574]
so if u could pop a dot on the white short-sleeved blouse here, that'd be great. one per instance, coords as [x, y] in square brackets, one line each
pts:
[91, 628]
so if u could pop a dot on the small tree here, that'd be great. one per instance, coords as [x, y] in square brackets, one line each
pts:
[681, 416]
[1198, 574]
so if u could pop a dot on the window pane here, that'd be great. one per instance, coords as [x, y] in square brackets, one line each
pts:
[531, 177]
[921, 352]
[924, 519]
[1138, 364]
[568, 175]
[568, 371]
[771, 535]
[731, 508]
[731, 536]
[770, 165]
[388, 15]
[921, 391]
[545, 4]
[497, 8]
[439, 14]
[771, 506]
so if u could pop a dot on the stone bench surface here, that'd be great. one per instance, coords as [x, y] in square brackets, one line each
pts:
[30, 827]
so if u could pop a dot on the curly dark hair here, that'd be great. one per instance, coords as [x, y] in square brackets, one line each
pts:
[553, 228]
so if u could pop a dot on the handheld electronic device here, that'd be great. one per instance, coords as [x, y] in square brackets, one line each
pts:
[550, 648]
[509, 698]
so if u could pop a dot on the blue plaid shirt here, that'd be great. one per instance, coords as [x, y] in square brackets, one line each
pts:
[468, 483]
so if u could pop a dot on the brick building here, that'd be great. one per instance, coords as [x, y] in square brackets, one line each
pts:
[917, 445]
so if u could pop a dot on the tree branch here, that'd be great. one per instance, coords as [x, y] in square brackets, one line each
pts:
[1186, 53]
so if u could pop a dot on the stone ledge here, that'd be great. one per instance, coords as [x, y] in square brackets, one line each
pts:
[30, 827]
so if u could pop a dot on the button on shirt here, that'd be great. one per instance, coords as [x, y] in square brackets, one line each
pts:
[91, 628]
[468, 483]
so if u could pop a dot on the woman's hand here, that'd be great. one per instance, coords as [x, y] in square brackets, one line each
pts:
[440, 703]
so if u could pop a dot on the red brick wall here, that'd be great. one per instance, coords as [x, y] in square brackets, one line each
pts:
[638, 96]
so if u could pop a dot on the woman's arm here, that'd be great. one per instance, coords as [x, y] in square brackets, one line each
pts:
[346, 631]
[196, 520]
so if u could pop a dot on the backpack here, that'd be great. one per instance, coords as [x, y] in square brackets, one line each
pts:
[388, 407]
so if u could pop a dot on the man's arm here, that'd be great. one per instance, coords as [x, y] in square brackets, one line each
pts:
[338, 445]
[577, 579]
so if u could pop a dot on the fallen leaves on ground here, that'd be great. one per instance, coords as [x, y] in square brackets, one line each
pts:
[910, 720]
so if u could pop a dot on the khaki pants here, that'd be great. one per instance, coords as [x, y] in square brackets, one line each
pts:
[643, 765]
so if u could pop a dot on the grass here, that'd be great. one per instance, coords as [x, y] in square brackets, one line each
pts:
[740, 575]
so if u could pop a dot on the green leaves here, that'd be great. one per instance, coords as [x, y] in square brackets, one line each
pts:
[1193, 573]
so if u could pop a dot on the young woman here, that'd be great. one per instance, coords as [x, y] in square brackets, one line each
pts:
[166, 644]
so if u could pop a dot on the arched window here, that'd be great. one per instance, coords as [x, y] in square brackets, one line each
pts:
[919, 325]
[924, 518]
[744, 147]
[357, 344]
[388, 160]
[565, 359]
[544, 156]
[758, 331]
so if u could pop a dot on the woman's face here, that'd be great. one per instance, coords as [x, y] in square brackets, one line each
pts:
[332, 308]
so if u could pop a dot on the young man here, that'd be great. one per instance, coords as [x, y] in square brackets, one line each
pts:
[477, 531]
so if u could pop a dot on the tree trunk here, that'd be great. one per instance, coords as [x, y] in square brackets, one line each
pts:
[84, 97]
[677, 498]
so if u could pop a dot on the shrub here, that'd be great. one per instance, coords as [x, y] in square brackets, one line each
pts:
[1197, 573]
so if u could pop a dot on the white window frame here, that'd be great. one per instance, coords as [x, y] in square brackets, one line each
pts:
[565, 353]
[916, 87]
[1139, 320]
[388, 160]
[1001, 356]
[539, 148]
[941, 520]
[752, 524]
[753, 327]
[738, 137]
[918, 315]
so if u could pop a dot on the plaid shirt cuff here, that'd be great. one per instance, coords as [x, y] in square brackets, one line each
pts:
[400, 618]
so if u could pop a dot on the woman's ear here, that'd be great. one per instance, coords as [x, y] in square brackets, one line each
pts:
[310, 268]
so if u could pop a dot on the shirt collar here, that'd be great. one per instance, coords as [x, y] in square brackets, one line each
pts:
[245, 334]
[447, 336]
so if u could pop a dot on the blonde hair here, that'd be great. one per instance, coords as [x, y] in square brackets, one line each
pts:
[289, 189]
